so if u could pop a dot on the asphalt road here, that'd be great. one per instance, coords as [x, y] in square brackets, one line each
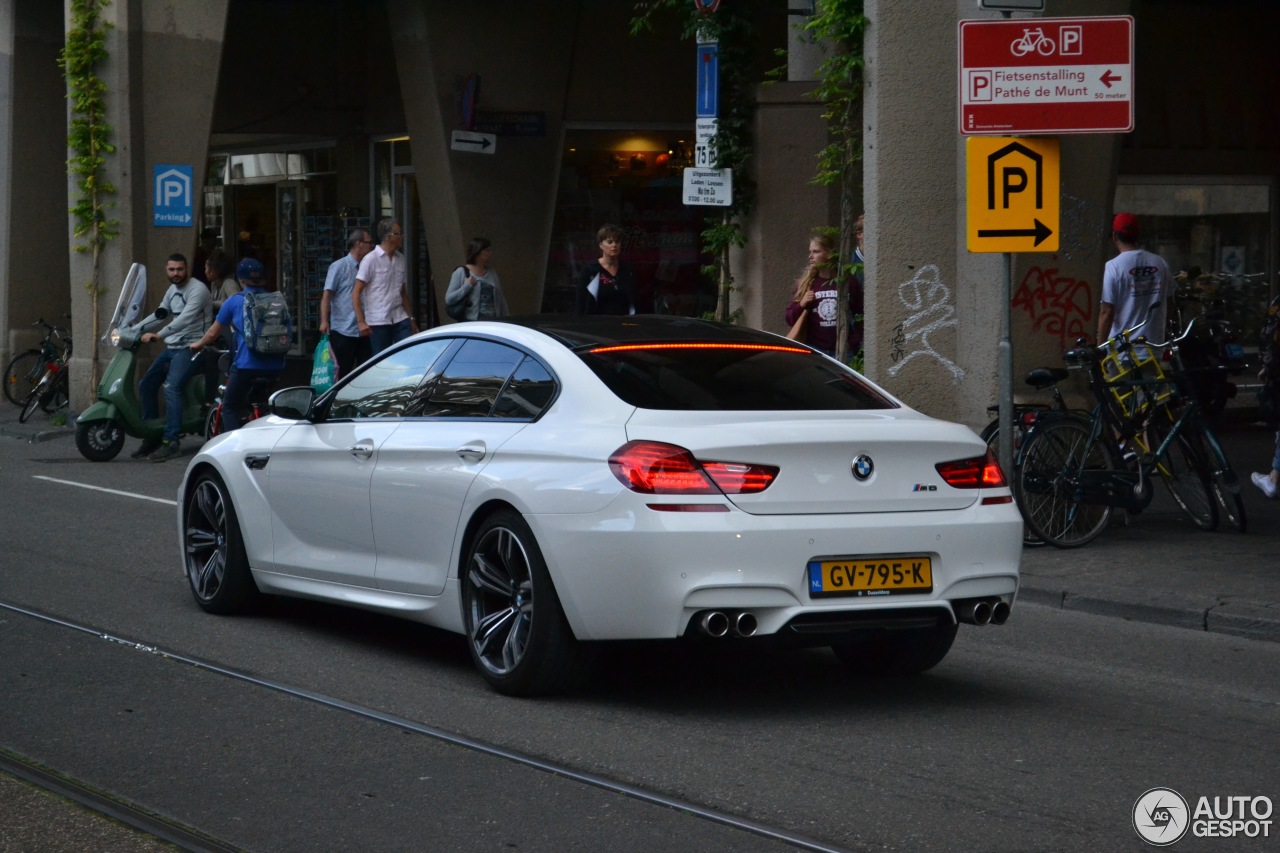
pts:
[307, 727]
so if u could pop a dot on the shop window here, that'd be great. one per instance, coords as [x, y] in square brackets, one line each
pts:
[632, 179]
[1216, 231]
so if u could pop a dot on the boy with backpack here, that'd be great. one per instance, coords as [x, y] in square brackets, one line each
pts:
[263, 333]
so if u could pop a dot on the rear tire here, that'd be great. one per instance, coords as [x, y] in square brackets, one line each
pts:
[100, 440]
[213, 549]
[21, 376]
[1055, 456]
[908, 651]
[30, 405]
[516, 629]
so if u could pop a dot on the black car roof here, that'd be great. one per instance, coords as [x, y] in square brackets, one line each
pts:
[595, 330]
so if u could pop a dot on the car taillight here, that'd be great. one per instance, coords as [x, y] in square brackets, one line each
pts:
[656, 468]
[980, 472]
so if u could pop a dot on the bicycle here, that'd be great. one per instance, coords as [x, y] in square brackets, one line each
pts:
[1073, 471]
[50, 393]
[26, 368]
[1033, 40]
[257, 403]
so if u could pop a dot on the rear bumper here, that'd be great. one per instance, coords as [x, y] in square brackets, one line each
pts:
[632, 573]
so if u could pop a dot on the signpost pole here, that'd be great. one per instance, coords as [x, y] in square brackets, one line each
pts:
[1006, 366]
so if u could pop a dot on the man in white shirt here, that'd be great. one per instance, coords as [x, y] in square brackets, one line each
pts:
[1135, 286]
[381, 295]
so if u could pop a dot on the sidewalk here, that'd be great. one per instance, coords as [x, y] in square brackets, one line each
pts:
[1156, 568]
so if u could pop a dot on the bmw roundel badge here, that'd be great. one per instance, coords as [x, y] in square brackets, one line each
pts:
[863, 467]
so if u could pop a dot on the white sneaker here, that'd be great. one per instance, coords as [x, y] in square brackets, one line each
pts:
[1263, 482]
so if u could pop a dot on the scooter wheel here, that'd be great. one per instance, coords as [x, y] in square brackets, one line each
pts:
[99, 441]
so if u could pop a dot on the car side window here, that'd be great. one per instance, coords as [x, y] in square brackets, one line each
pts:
[469, 384]
[387, 388]
[529, 392]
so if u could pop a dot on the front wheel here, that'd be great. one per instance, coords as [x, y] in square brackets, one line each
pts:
[516, 630]
[1223, 481]
[213, 422]
[890, 652]
[58, 396]
[213, 549]
[32, 403]
[99, 441]
[1186, 473]
[991, 435]
[1056, 461]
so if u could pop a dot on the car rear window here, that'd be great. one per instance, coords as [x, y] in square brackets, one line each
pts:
[733, 377]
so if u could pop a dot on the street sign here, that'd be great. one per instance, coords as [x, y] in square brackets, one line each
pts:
[708, 187]
[511, 124]
[1013, 194]
[1046, 75]
[477, 143]
[708, 80]
[704, 130]
[172, 196]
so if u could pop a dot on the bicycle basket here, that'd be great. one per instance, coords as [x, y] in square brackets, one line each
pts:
[1137, 381]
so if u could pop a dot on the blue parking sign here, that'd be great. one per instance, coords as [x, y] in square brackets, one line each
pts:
[708, 80]
[172, 196]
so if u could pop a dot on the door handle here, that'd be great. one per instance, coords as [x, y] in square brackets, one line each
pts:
[362, 449]
[473, 452]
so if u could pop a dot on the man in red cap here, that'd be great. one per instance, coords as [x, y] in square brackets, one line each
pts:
[1136, 285]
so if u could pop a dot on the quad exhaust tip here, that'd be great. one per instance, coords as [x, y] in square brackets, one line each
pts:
[983, 611]
[717, 623]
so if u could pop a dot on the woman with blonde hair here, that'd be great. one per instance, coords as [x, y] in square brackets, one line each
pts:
[816, 298]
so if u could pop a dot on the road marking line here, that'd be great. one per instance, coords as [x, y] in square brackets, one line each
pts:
[101, 489]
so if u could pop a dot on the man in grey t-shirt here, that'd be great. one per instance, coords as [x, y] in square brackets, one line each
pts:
[1135, 286]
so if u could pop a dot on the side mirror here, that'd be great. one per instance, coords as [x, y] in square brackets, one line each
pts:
[293, 403]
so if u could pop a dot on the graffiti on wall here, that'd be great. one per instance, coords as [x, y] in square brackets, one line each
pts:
[929, 300]
[1057, 304]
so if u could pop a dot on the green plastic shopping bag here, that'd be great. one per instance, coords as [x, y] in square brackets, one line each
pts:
[324, 370]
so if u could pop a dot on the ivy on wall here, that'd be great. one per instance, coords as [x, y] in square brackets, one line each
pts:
[730, 27]
[89, 141]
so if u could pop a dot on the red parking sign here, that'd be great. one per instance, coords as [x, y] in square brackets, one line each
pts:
[1046, 75]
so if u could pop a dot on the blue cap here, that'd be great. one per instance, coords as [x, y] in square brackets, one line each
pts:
[250, 271]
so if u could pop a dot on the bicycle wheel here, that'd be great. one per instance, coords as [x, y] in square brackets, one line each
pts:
[991, 435]
[22, 374]
[213, 422]
[1223, 481]
[30, 405]
[58, 396]
[1185, 471]
[1049, 492]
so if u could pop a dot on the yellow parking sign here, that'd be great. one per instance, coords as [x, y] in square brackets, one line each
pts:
[1013, 193]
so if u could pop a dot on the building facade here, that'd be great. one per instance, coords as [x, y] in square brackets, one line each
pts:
[533, 123]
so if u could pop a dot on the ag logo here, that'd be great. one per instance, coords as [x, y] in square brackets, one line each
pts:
[1161, 817]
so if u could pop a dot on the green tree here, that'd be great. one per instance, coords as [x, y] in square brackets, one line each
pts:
[839, 27]
[89, 140]
[730, 27]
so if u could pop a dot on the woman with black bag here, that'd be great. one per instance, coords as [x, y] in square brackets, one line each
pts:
[475, 293]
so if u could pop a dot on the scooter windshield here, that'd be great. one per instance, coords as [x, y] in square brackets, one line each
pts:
[133, 295]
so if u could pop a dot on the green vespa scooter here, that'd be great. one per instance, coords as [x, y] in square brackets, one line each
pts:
[101, 429]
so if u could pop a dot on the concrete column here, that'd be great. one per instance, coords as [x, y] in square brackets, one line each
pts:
[161, 76]
[933, 308]
[32, 169]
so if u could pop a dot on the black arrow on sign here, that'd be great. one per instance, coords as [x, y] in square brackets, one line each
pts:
[1040, 232]
[483, 142]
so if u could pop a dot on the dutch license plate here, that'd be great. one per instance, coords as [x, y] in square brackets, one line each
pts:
[863, 576]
